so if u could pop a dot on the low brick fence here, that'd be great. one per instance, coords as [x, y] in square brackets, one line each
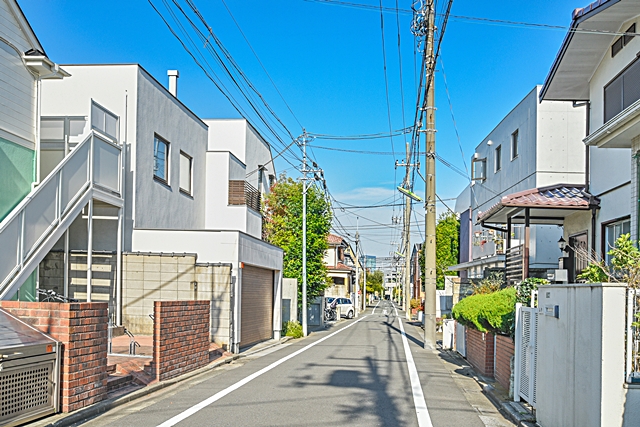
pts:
[82, 330]
[480, 351]
[504, 351]
[180, 337]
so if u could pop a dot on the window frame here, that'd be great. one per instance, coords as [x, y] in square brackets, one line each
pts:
[483, 175]
[515, 136]
[497, 161]
[183, 190]
[156, 177]
[604, 249]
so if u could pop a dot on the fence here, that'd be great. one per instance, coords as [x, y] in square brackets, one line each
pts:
[632, 350]
[514, 264]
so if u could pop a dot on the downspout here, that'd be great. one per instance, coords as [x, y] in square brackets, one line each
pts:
[587, 166]
[637, 157]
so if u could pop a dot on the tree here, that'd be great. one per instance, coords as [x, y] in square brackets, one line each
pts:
[375, 281]
[447, 245]
[283, 227]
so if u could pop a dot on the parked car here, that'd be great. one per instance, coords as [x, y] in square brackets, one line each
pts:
[344, 306]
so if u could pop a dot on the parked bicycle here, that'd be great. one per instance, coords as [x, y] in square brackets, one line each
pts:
[49, 295]
[330, 312]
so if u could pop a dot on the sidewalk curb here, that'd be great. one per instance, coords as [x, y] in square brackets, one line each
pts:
[64, 420]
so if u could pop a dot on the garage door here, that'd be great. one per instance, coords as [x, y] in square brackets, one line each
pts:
[256, 315]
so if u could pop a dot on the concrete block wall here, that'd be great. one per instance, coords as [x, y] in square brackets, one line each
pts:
[103, 282]
[174, 277]
[480, 351]
[180, 337]
[505, 348]
[82, 330]
[154, 277]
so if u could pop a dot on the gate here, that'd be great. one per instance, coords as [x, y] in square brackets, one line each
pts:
[460, 337]
[526, 354]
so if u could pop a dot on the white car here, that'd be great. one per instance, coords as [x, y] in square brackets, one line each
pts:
[344, 306]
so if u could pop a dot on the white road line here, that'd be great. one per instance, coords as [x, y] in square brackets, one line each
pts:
[219, 395]
[374, 308]
[424, 420]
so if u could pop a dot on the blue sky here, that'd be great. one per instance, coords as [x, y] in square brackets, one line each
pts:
[326, 61]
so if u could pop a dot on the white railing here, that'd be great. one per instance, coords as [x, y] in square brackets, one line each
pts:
[94, 164]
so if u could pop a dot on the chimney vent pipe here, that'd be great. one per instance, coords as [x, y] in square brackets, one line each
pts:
[173, 82]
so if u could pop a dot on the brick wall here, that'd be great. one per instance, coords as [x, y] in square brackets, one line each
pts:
[480, 351]
[180, 337]
[504, 352]
[82, 329]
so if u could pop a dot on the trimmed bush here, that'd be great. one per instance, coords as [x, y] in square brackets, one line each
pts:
[493, 312]
[292, 328]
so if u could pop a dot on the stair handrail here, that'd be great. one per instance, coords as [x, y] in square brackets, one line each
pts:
[60, 211]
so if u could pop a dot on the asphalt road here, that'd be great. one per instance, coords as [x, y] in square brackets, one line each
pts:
[357, 373]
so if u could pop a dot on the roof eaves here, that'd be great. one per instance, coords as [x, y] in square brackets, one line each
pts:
[579, 15]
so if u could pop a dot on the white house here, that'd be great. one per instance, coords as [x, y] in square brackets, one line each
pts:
[601, 71]
[537, 146]
[340, 268]
[191, 187]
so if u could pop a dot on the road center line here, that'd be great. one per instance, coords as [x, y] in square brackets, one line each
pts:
[424, 420]
[219, 395]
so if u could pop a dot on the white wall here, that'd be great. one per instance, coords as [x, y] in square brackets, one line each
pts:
[17, 84]
[580, 364]
[145, 107]
[607, 69]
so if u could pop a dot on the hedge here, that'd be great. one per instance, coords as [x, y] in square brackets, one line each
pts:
[493, 312]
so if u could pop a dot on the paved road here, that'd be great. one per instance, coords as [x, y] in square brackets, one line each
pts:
[359, 373]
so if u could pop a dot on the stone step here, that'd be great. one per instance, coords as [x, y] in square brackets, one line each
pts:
[117, 381]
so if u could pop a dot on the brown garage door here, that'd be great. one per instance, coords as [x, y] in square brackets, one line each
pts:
[256, 314]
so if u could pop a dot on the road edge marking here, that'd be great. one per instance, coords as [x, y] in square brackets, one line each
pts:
[219, 395]
[374, 308]
[424, 419]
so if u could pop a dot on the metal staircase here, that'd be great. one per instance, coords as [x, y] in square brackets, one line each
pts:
[92, 171]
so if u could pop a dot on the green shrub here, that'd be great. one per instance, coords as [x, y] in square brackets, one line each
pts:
[524, 289]
[493, 312]
[292, 328]
[489, 285]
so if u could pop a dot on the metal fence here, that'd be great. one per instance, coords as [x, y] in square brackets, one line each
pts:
[632, 351]
[514, 264]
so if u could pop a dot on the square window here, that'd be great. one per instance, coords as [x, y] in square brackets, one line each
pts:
[186, 163]
[161, 159]
[498, 158]
[514, 145]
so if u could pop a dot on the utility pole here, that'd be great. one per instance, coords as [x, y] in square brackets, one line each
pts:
[423, 26]
[406, 282]
[357, 302]
[306, 183]
[430, 184]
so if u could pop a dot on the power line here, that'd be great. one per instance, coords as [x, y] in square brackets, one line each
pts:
[260, 62]
[386, 80]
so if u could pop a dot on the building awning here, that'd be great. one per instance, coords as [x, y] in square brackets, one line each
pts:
[545, 205]
[593, 29]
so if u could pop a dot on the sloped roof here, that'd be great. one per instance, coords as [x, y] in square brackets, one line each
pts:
[334, 239]
[593, 29]
[560, 196]
[341, 266]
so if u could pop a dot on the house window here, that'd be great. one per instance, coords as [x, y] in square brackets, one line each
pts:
[612, 231]
[161, 159]
[622, 41]
[622, 91]
[479, 169]
[514, 145]
[186, 163]
[498, 158]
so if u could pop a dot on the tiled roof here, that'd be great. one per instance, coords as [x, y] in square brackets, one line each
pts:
[558, 196]
[334, 239]
[341, 266]
[581, 11]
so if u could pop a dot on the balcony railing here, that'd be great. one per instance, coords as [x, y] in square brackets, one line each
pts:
[514, 264]
[243, 193]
